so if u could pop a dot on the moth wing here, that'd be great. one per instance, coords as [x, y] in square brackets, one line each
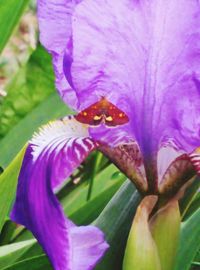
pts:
[91, 115]
[115, 116]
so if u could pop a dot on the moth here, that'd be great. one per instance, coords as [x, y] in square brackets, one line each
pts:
[102, 111]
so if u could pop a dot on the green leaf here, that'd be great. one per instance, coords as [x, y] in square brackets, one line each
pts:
[34, 263]
[194, 206]
[8, 183]
[10, 13]
[165, 227]
[7, 232]
[32, 84]
[115, 221]
[93, 171]
[141, 252]
[189, 242]
[188, 199]
[24, 130]
[197, 257]
[29, 105]
[10, 253]
[196, 263]
[82, 211]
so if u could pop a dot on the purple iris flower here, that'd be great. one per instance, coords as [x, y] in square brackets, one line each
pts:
[143, 57]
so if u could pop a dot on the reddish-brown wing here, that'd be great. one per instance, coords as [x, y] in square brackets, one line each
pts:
[91, 115]
[115, 116]
[102, 110]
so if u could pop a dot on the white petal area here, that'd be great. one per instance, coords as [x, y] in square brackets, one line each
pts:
[66, 142]
[166, 155]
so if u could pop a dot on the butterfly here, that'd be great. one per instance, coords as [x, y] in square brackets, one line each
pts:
[102, 111]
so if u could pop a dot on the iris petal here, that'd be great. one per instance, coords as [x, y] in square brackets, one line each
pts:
[141, 55]
[55, 23]
[153, 68]
[50, 157]
[153, 50]
[66, 142]
[55, 34]
[88, 247]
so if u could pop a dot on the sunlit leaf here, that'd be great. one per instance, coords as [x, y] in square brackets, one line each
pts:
[10, 13]
[23, 131]
[34, 263]
[189, 243]
[141, 251]
[33, 83]
[8, 183]
[115, 221]
[82, 211]
[186, 203]
[10, 253]
[165, 227]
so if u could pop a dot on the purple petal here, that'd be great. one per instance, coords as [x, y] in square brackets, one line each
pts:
[153, 52]
[102, 52]
[144, 57]
[88, 247]
[51, 156]
[55, 23]
[112, 136]
[66, 142]
[55, 34]
[153, 68]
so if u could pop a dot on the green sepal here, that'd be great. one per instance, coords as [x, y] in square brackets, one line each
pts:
[141, 252]
[165, 227]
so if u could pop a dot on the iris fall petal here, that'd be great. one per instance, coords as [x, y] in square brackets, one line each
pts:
[51, 156]
[142, 55]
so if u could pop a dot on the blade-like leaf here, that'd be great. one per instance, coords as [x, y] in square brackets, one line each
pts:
[10, 253]
[165, 228]
[115, 221]
[24, 130]
[7, 232]
[8, 183]
[189, 197]
[34, 263]
[189, 242]
[141, 252]
[103, 189]
[32, 84]
[194, 206]
[10, 13]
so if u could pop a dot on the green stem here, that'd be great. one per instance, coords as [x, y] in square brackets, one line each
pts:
[97, 162]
